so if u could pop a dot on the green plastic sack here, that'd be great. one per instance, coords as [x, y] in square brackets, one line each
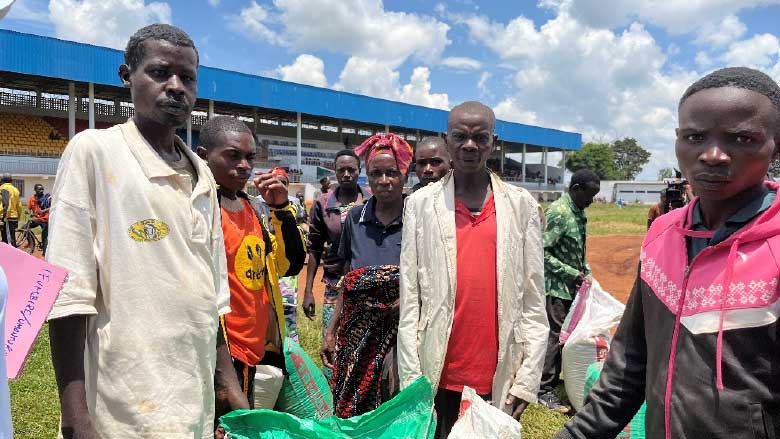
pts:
[305, 392]
[636, 428]
[408, 415]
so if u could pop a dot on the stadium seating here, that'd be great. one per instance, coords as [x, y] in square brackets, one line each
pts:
[61, 125]
[29, 135]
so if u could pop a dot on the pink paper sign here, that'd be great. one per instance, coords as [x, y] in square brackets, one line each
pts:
[33, 285]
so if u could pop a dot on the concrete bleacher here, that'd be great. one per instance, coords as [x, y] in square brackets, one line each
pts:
[29, 136]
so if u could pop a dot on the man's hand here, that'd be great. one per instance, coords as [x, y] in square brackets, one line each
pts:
[219, 433]
[272, 190]
[328, 351]
[518, 406]
[309, 308]
[579, 279]
[394, 308]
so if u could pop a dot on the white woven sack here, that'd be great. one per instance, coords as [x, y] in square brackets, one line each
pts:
[479, 420]
[268, 383]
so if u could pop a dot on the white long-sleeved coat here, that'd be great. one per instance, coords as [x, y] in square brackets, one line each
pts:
[428, 277]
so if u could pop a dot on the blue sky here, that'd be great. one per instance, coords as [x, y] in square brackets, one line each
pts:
[605, 68]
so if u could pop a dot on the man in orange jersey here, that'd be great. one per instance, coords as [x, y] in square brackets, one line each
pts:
[253, 331]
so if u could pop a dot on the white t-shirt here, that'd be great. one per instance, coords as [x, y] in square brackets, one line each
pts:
[6, 429]
[146, 262]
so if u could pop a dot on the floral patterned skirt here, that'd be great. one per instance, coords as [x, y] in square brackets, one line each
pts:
[366, 333]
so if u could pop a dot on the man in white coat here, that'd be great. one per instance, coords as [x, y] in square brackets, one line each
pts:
[472, 280]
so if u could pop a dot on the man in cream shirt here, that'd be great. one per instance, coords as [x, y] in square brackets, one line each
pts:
[136, 222]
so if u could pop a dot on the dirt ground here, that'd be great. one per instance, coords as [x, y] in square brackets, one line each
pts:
[614, 260]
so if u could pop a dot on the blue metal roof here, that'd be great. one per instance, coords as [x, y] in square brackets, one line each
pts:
[50, 57]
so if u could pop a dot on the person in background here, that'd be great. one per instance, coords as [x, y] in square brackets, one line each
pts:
[39, 204]
[255, 257]
[324, 186]
[327, 215]
[658, 209]
[10, 209]
[472, 284]
[135, 221]
[699, 337]
[431, 161]
[565, 269]
[304, 217]
[364, 326]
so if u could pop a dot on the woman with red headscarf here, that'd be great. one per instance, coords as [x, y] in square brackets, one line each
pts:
[365, 323]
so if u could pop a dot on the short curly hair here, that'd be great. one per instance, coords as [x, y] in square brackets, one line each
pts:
[134, 52]
[210, 132]
[739, 77]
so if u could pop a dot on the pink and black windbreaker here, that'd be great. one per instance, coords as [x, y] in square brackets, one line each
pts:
[699, 339]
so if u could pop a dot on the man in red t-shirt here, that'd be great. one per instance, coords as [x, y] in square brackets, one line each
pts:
[39, 205]
[253, 331]
[472, 280]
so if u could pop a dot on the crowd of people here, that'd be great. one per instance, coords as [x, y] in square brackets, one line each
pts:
[181, 284]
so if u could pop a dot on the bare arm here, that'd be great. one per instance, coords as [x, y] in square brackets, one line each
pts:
[308, 293]
[67, 338]
[329, 340]
[227, 390]
[315, 241]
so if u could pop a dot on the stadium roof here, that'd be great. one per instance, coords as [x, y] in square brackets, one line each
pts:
[46, 57]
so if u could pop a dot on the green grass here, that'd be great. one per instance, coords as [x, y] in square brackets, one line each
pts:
[608, 219]
[35, 408]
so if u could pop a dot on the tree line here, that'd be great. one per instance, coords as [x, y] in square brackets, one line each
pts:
[622, 159]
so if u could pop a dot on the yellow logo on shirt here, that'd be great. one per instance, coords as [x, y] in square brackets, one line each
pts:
[249, 264]
[148, 230]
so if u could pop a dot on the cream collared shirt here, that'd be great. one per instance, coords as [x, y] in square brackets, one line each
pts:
[146, 263]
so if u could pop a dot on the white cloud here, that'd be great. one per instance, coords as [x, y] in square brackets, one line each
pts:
[362, 28]
[720, 34]
[370, 77]
[703, 60]
[377, 78]
[482, 83]
[104, 22]
[214, 3]
[602, 83]
[756, 52]
[307, 69]
[512, 111]
[28, 10]
[461, 63]
[418, 91]
[674, 16]
[254, 21]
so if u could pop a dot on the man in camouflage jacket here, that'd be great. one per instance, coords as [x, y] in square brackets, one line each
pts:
[564, 270]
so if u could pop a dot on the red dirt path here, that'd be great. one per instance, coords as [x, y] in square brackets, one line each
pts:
[614, 260]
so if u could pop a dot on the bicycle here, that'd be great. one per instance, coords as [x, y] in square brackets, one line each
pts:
[27, 240]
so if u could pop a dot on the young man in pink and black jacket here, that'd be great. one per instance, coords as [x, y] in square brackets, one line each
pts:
[700, 339]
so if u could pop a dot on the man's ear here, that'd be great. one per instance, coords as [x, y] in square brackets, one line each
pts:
[124, 75]
[202, 153]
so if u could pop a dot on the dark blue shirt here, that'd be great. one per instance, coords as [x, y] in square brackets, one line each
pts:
[365, 241]
[745, 215]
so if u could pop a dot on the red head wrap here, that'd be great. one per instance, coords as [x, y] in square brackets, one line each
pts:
[387, 144]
